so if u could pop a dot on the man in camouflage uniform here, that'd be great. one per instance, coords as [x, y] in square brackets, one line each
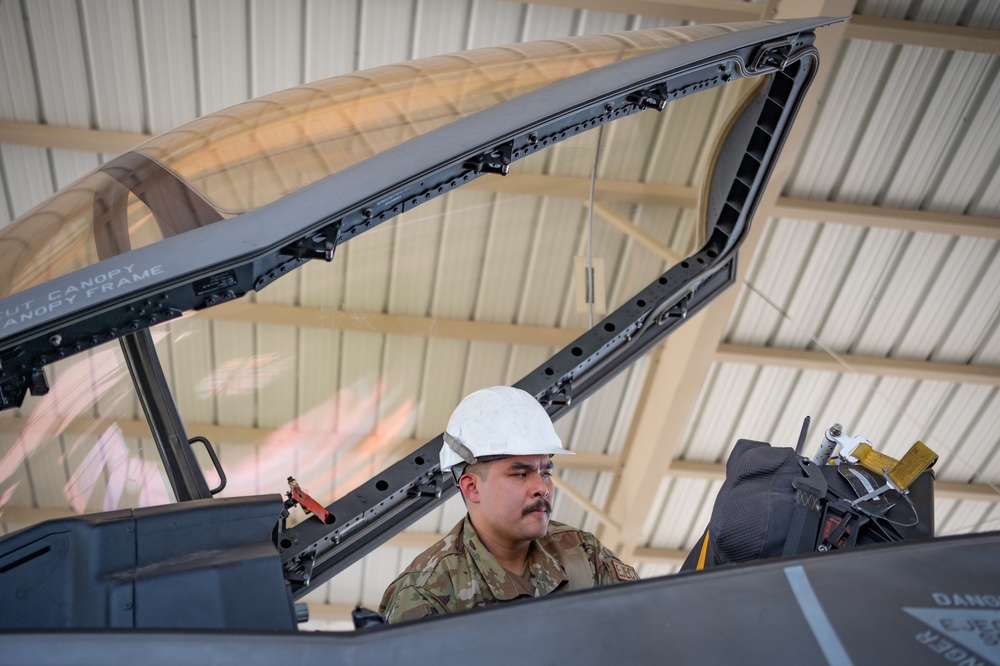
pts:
[498, 444]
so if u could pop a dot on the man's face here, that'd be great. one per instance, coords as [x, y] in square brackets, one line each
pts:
[515, 498]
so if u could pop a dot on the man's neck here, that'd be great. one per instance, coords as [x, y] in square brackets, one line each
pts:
[511, 556]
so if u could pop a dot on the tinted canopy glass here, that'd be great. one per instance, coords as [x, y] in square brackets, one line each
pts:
[252, 154]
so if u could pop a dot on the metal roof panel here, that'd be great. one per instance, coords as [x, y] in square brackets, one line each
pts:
[222, 60]
[275, 46]
[62, 75]
[385, 33]
[113, 64]
[168, 64]
[20, 99]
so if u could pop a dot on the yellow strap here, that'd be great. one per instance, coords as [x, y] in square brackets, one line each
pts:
[704, 552]
[903, 472]
[917, 460]
[872, 460]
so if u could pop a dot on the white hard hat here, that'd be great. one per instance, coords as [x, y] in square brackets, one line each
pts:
[498, 421]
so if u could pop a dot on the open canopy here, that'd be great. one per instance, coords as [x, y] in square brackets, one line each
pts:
[253, 154]
[465, 185]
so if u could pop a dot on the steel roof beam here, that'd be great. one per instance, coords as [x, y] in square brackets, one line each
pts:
[68, 138]
[392, 324]
[957, 373]
[869, 28]
[918, 33]
[921, 221]
[697, 11]
[517, 334]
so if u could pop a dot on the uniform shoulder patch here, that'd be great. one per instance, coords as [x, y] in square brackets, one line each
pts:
[624, 571]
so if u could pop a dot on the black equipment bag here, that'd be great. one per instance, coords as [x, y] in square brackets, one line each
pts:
[775, 502]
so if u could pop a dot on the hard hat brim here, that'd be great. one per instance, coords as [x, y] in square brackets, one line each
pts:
[449, 458]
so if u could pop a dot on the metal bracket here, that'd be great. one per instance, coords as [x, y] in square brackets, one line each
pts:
[651, 98]
[319, 245]
[495, 161]
[678, 310]
[563, 388]
[303, 570]
[38, 384]
[425, 490]
[772, 56]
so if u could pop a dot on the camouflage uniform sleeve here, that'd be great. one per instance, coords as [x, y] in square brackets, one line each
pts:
[403, 601]
[610, 569]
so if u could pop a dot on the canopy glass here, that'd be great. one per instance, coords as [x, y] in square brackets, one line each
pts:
[339, 363]
[244, 157]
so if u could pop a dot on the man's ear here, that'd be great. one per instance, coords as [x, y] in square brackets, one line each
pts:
[469, 485]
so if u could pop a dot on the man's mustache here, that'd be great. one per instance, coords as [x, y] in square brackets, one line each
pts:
[540, 505]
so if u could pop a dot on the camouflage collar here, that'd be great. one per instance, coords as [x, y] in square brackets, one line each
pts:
[545, 572]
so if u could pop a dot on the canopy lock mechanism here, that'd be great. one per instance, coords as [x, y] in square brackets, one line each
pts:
[495, 161]
[319, 245]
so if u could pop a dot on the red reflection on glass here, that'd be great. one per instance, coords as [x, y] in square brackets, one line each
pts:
[242, 375]
[60, 413]
[131, 482]
[329, 449]
[375, 449]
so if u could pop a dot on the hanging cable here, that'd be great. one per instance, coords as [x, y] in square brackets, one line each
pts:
[590, 227]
